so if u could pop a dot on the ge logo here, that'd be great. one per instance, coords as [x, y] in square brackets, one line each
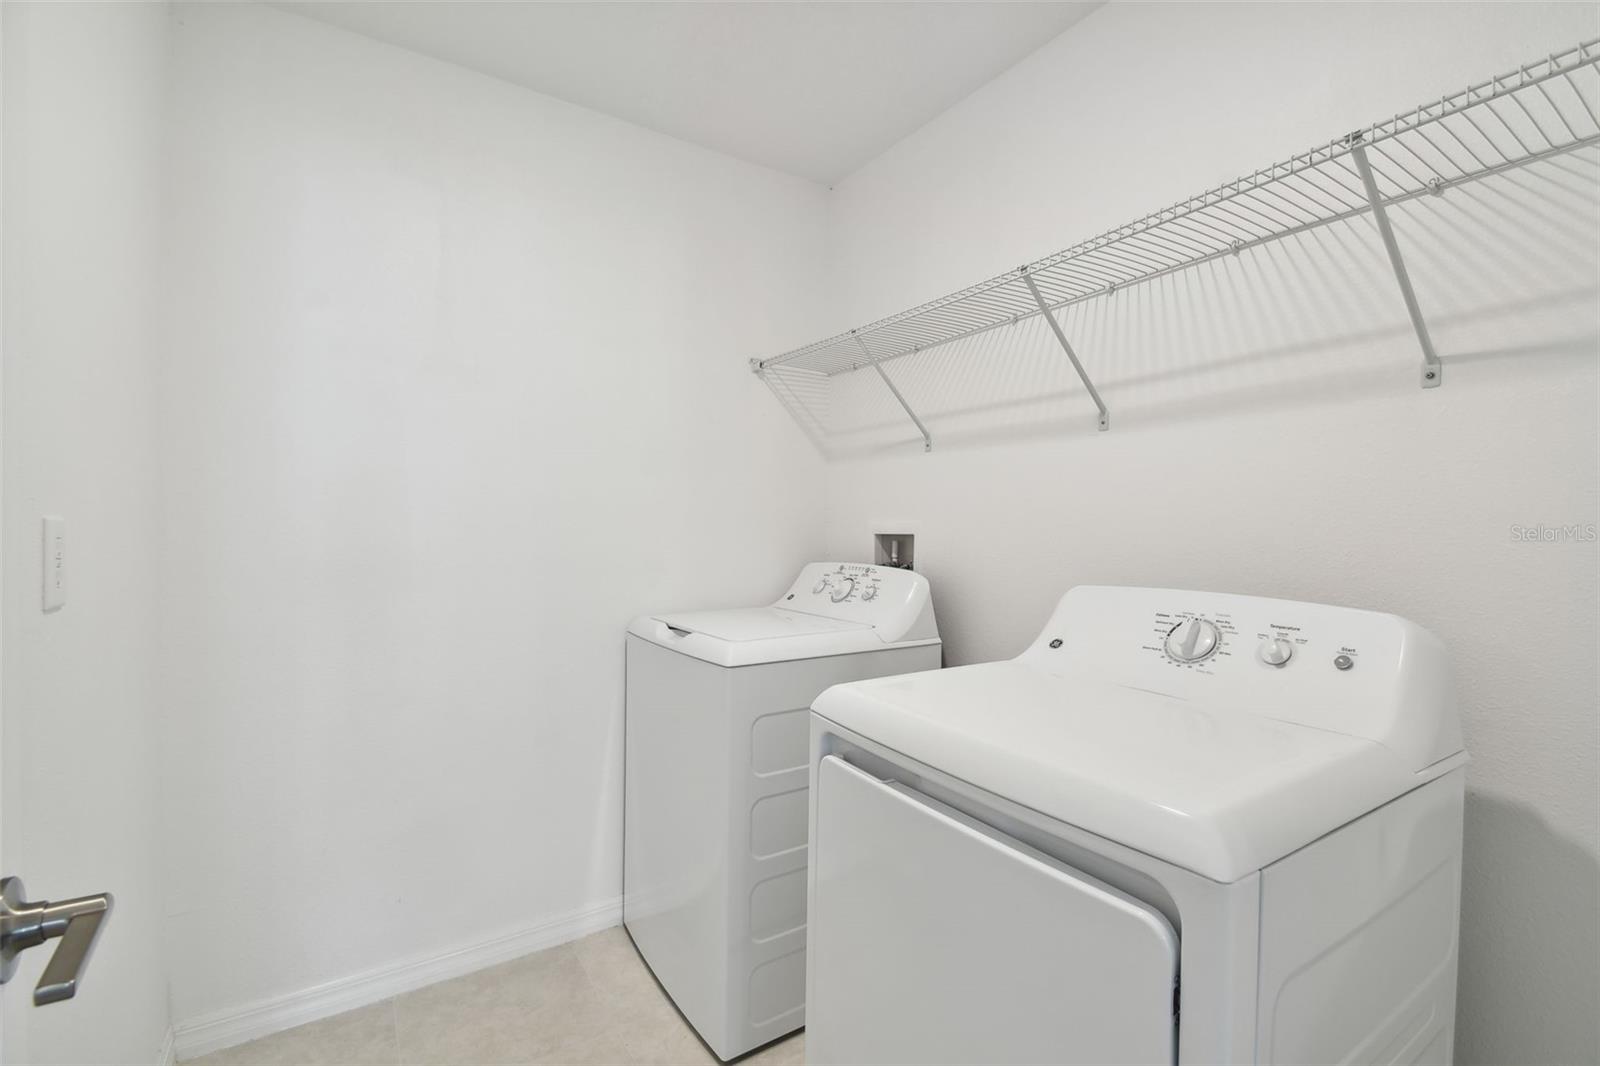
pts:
[1056, 643]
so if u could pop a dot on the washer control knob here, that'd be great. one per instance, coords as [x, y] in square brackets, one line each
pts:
[1192, 639]
[820, 586]
[842, 590]
[869, 593]
[1275, 651]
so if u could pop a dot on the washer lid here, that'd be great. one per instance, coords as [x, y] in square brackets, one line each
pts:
[1221, 792]
[755, 623]
[755, 635]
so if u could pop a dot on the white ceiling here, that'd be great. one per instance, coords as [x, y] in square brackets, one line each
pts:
[811, 88]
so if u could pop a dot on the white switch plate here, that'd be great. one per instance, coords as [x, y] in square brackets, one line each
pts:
[55, 563]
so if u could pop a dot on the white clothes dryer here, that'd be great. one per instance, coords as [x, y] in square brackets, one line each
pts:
[1181, 827]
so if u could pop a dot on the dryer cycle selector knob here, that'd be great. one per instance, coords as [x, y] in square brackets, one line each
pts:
[1192, 639]
[841, 591]
[1275, 651]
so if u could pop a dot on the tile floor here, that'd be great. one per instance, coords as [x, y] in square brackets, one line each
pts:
[589, 1002]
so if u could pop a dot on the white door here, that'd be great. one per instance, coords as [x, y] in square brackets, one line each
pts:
[71, 926]
[82, 98]
[936, 939]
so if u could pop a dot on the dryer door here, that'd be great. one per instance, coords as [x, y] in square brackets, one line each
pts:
[936, 939]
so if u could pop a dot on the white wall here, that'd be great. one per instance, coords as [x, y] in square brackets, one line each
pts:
[456, 387]
[83, 128]
[1268, 435]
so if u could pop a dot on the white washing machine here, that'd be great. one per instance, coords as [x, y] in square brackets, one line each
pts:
[718, 707]
[1180, 827]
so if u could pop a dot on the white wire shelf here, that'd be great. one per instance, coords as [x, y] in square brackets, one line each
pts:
[1545, 109]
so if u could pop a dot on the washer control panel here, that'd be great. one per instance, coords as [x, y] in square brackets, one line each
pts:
[849, 581]
[888, 598]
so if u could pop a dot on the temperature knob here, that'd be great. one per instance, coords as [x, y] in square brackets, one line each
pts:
[870, 592]
[842, 590]
[820, 586]
[1275, 651]
[1192, 640]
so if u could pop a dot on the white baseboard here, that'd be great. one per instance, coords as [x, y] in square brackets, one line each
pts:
[225, 1028]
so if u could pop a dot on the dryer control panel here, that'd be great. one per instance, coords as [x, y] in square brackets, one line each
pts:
[895, 602]
[1355, 672]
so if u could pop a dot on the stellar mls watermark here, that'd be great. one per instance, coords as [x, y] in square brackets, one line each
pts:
[1575, 533]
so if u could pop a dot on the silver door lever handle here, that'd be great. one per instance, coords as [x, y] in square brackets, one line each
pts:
[23, 925]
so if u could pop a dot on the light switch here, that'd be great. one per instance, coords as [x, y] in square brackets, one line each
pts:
[55, 563]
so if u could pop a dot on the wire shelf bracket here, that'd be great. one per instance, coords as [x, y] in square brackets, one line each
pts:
[1432, 371]
[927, 438]
[1055, 327]
[1540, 111]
